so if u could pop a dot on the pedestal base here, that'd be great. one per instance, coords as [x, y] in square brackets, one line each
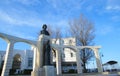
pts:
[49, 70]
[45, 71]
[39, 72]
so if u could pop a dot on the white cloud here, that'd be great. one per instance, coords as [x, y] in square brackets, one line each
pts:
[23, 35]
[66, 6]
[60, 23]
[105, 30]
[27, 2]
[54, 3]
[18, 20]
[113, 5]
[115, 18]
[6, 17]
[20, 34]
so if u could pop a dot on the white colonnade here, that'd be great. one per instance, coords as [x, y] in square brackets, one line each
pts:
[11, 40]
[77, 49]
[37, 61]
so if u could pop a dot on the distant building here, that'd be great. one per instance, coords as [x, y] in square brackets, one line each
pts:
[111, 66]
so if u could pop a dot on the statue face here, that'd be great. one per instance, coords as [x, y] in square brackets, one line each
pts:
[44, 26]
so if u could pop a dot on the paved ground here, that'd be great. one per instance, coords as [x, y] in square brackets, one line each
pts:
[95, 74]
[92, 75]
[75, 75]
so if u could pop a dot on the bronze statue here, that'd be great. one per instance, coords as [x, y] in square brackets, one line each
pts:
[44, 30]
[46, 53]
[46, 47]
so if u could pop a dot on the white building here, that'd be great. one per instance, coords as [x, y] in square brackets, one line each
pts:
[23, 59]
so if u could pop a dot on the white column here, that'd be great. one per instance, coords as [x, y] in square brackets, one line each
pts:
[39, 61]
[98, 62]
[58, 62]
[36, 70]
[8, 59]
[35, 58]
[79, 62]
[26, 58]
[22, 61]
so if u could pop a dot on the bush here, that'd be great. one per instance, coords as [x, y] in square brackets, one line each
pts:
[27, 71]
[70, 71]
[20, 72]
[12, 71]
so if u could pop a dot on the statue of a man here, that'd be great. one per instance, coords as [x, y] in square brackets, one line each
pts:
[46, 47]
[46, 53]
[44, 30]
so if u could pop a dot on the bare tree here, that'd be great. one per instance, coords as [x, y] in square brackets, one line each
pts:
[55, 32]
[83, 30]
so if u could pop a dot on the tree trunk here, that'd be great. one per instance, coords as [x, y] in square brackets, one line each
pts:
[84, 62]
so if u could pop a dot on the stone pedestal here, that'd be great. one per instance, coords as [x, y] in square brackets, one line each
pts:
[45, 71]
[49, 70]
[39, 56]
[34, 73]
[39, 72]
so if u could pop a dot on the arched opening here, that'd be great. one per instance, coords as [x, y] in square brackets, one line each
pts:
[16, 62]
[26, 52]
[88, 60]
[93, 65]
[23, 57]
[53, 56]
[69, 60]
[3, 46]
[22, 46]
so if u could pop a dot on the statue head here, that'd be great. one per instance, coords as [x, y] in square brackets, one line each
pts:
[44, 27]
[44, 31]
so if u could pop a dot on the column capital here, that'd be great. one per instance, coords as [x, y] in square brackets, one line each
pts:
[12, 41]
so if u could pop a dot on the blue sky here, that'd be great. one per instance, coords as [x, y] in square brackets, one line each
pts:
[24, 18]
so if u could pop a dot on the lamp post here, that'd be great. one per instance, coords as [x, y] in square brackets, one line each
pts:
[101, 55]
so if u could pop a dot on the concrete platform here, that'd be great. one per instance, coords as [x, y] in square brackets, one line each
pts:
[86, 74]
[95, 74]
[90, 75]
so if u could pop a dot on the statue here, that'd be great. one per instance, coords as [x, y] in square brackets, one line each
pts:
[46, 53]
[44, 30]
[42, 64]
[46, 47]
